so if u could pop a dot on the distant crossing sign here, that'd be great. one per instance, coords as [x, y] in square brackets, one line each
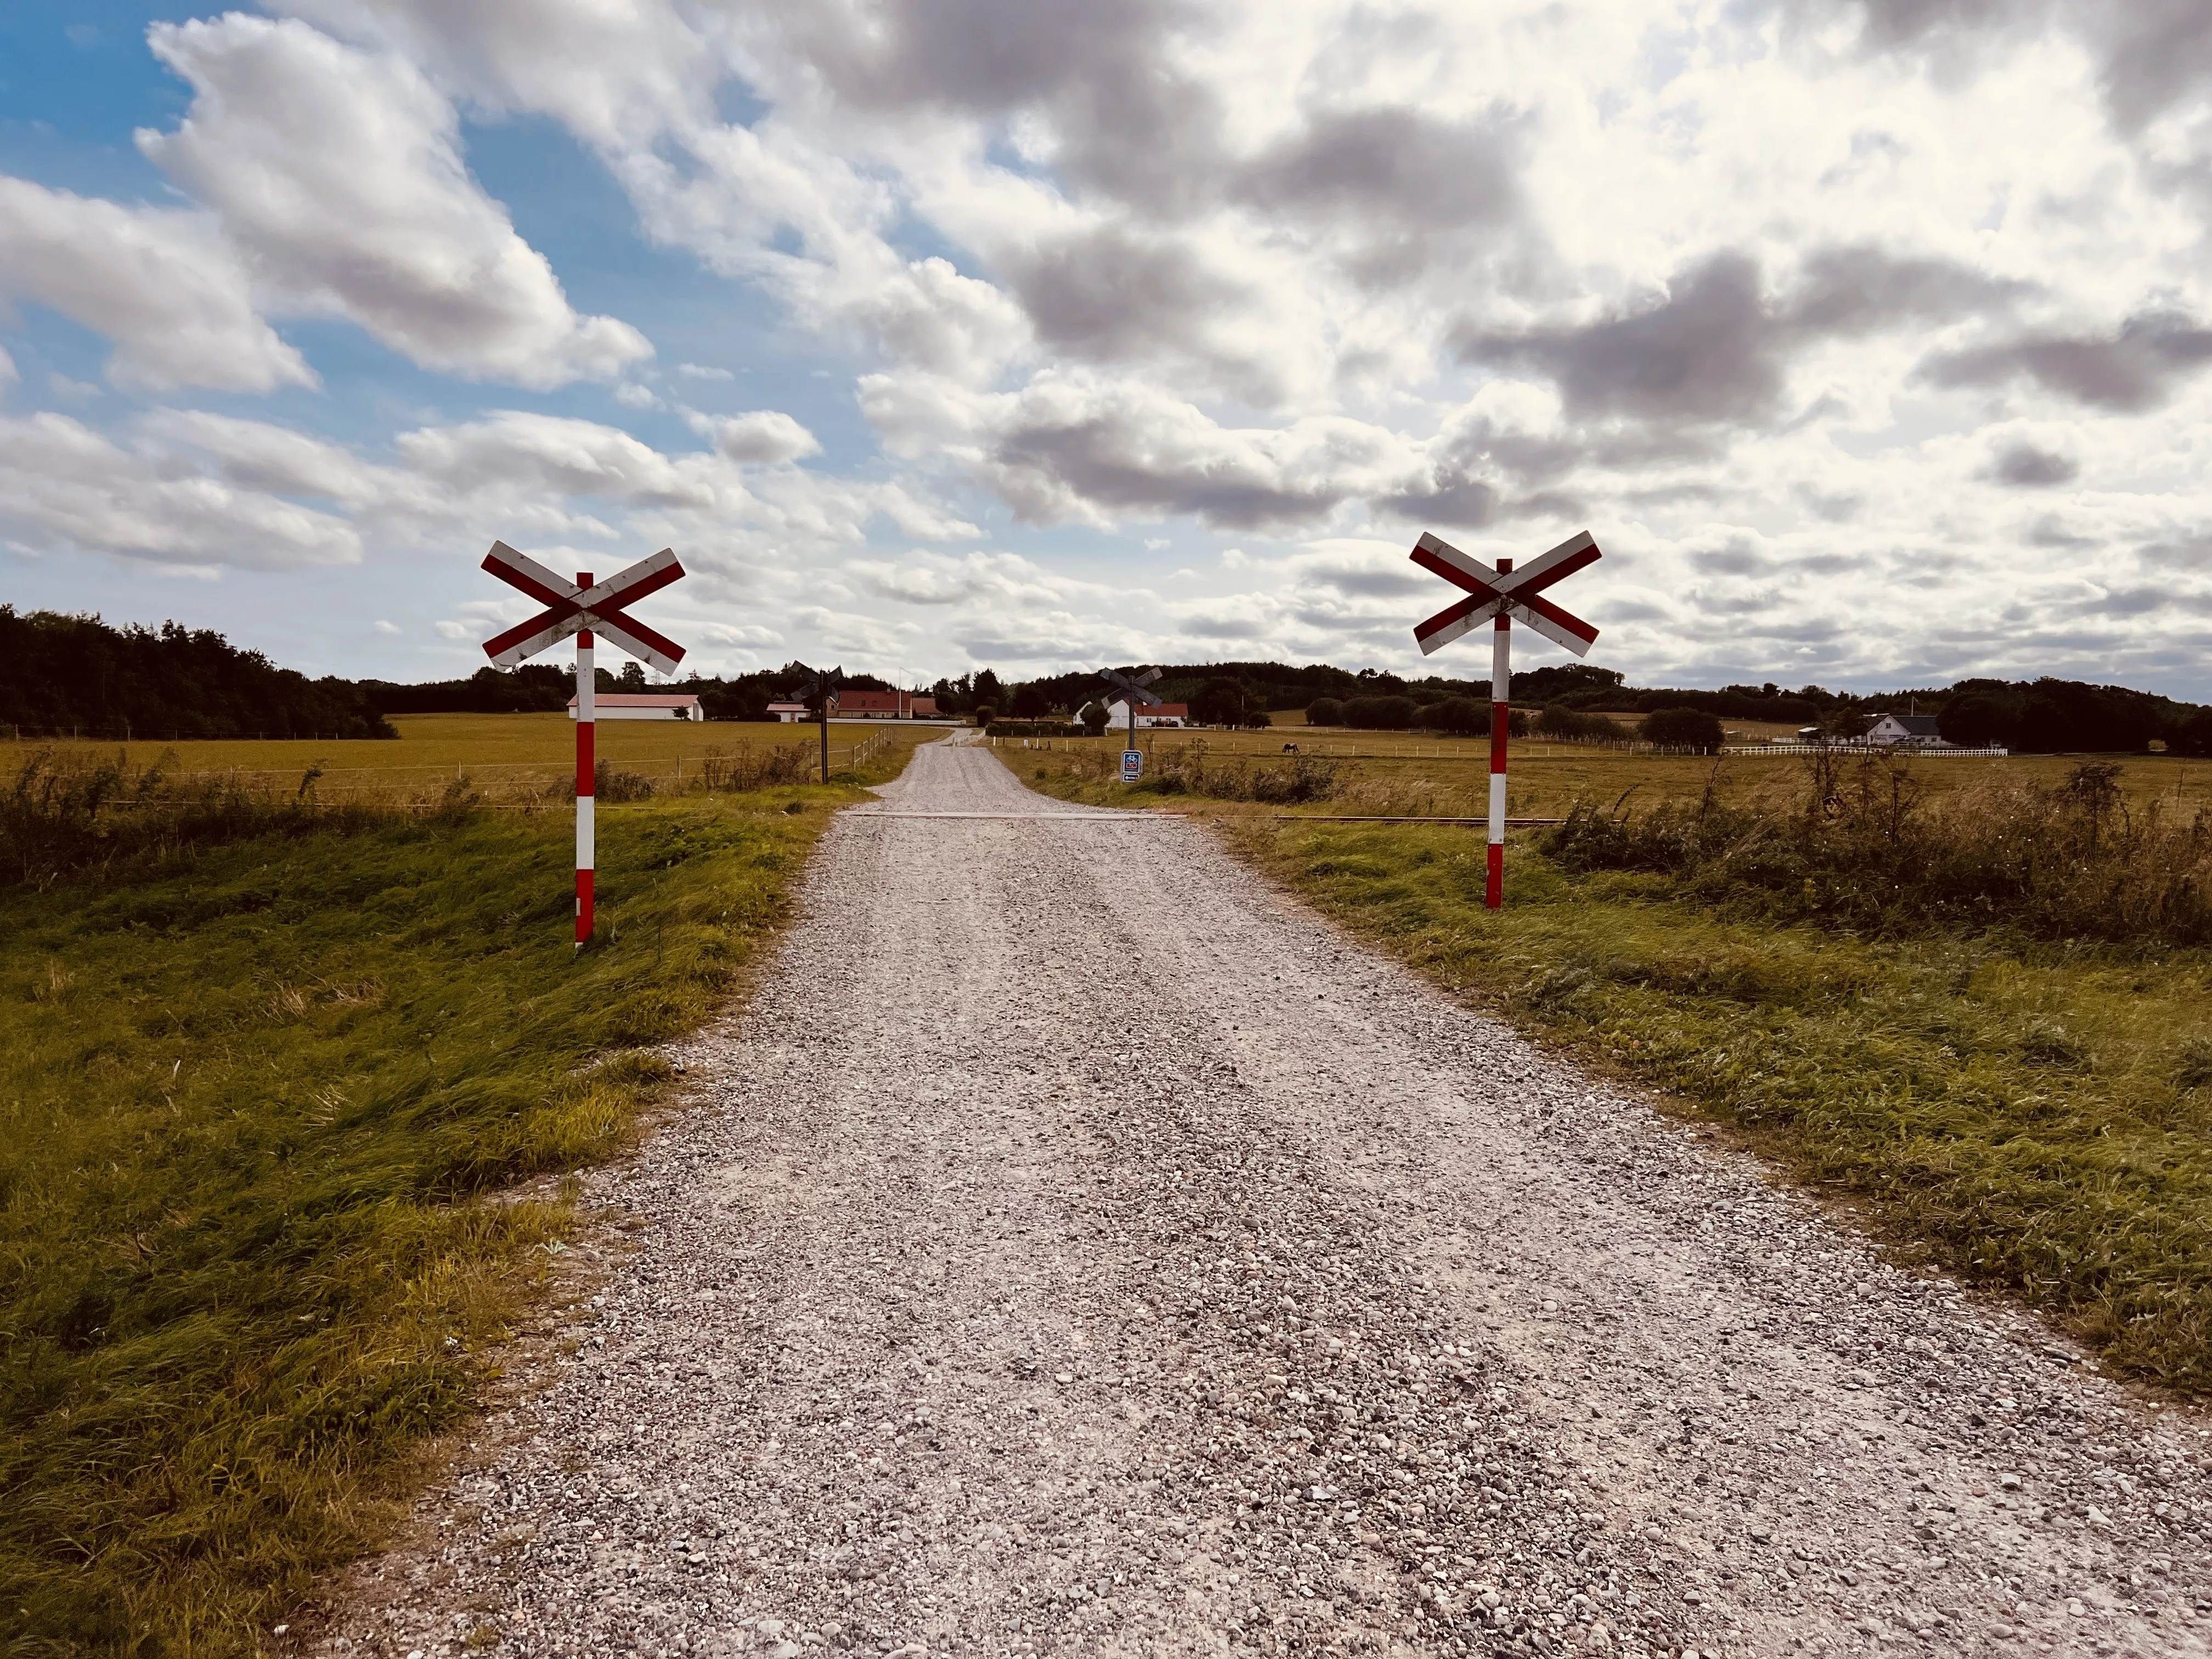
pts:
[821, 689]
[582, 608]
[1135, 688]
[1497, 597]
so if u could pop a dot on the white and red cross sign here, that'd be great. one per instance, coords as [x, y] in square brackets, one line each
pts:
[573, 607]
[583, 608]
[1505, 592]
[1497, 597]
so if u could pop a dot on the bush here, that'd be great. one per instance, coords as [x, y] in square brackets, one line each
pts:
[1682, 728]
[1460, 716]
[1325, 711]
[1570, 726]
[752, 768]
[1865, 849]
[985, 713]
[1092, 718]
[1033, 729]
[1191, 770]
[1380, 714]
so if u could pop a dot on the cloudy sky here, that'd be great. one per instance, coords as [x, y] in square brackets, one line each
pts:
[1873, 342]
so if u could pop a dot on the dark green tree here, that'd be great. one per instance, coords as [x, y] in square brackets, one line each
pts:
[1219, 702]
[1683, 728]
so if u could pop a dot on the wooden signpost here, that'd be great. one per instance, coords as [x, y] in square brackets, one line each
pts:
[1497, 596]
[823, 687]
[583, 608]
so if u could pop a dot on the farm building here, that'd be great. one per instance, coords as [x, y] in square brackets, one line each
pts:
[788, 713]
[884, 706]
[1906, 732]
[1167, 713]
[642, 706]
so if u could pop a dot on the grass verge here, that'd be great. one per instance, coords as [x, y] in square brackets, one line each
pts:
[260, 1101]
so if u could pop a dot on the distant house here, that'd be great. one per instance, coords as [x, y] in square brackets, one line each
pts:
[1906, 732]
[642, 706]
[884, 706]
[1167, 713]
[788, 713]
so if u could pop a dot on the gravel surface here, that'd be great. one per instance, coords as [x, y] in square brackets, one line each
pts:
[1078, 1247]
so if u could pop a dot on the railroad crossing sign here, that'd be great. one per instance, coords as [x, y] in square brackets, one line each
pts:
[1133, 765]
[573, 607]
[824, 685]
[584, 608]
[1497, 597]
[1133, 687]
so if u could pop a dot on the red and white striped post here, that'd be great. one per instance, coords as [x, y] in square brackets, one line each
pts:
[588, 772]
[1495, 596]
[584, 609]
[1501, 722]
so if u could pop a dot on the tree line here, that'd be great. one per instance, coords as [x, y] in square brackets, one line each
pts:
[76, 676]
[63, 675]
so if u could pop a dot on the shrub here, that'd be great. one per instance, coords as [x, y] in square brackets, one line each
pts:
[1682, 728]
[1570, 725]
[1190, 770]
[1033, 729]
[1325, 711]
[615, 788]
[985, 713]
[1380, 714]
[1865, 848]
[1460, 716]
[752, 768]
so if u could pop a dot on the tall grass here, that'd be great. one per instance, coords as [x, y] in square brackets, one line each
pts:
[1193, 769]
[68, 813]
[264, 1072]
[1866, 845]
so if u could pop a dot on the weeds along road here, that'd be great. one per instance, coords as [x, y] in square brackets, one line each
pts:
[1078, 1247]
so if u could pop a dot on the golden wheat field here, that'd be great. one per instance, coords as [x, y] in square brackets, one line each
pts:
[499, 753]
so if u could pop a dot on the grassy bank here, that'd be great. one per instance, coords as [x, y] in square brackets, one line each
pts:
[2026, 1101]
[259, 1093]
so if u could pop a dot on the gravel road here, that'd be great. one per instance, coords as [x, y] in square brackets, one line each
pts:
[1077, 1247]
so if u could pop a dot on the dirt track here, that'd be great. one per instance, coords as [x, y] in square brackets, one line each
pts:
[1080, 1248]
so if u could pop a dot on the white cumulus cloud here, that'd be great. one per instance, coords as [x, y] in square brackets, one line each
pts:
[339, 173]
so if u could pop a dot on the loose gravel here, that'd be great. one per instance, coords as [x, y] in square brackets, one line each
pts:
[1078, 1247]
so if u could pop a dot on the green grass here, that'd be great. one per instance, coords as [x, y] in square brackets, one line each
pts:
[2031, 1116]
[257, 1102]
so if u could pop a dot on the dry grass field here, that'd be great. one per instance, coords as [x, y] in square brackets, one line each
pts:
[1410, 774]
[500, 755]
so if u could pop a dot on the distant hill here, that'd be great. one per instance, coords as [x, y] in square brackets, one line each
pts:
[65, 675]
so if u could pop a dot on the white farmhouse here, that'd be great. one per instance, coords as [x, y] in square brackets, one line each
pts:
[1167, 713]
[642, 706]
[1906, 732]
